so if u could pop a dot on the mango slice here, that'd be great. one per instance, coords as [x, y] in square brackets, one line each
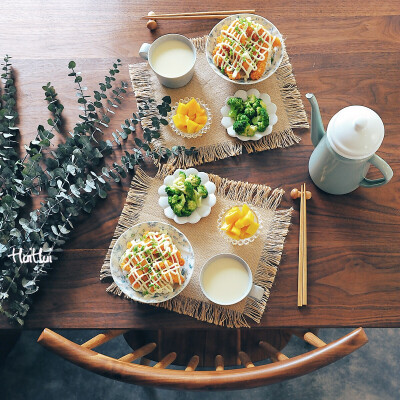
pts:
[180, 121]
[245, 209]
[233, 236]
[192, 126]
[252, 228]
[201, 119]
[232, 217]
[182, 109]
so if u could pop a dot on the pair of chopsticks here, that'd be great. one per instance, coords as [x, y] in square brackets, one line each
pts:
[302, 275]
[199, 15]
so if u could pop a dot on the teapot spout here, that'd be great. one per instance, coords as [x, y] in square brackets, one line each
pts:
[317, 127]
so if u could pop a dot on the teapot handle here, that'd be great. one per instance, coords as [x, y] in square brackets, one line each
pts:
[384, 167]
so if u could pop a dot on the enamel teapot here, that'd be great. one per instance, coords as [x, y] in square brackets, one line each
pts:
[343, 154]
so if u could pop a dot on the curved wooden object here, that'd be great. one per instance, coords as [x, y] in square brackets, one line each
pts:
[203, 380]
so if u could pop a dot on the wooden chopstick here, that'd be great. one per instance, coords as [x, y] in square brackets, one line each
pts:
[304, 247]
[200, 13]
[300, 267]
[302, 272]
[191, 17]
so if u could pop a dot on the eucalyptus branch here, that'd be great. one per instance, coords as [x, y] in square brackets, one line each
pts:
[72, 177]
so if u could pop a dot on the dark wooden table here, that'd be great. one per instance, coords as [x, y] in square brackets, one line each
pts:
[346, 52]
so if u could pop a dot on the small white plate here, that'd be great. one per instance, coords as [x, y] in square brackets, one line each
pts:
[136, 231]
[227, 122]
[200, 212]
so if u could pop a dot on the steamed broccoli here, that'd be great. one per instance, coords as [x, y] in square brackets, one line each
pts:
[252, 101]
[177, 209]
[202, 191]
[240, 126]
[262, 125]
[186, 192]
[261, 120]
[261, 111]
[191, 205]
[178, 183]
[185, 212]
[188, 189]
[262, 104]
[236, 103]
[250, 130]
[194, 180]
[250, 112]
[171, 191]
[173, 199]
[233, 113]
[243, 117]
[237, 106]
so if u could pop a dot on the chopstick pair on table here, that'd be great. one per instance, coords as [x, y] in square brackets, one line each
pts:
[302, 272]
[152, 16]
[302, 275]
[198, 15]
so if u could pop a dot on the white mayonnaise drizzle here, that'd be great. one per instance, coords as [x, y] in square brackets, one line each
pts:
[244, 44]
[152, 264]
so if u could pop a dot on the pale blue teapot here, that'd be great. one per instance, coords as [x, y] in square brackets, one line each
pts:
[343, 154]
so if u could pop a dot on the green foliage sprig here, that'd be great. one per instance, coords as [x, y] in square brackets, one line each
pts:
[72, 175]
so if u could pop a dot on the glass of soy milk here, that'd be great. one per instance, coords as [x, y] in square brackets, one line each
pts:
[172, 58]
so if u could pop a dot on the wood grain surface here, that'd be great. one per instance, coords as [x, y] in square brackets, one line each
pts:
[345, 52]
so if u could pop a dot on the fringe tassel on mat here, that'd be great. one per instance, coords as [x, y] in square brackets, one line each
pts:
[290, 94]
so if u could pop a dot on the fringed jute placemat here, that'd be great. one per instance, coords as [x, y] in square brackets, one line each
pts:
[263, 255]
[206, 85]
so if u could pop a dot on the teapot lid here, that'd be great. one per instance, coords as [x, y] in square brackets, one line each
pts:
[355, 132]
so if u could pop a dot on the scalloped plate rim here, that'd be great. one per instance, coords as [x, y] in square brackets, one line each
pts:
[252, 138]
[178, 220]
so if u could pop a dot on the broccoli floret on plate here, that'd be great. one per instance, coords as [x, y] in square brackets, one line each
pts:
[252, 101]
[240, 126]
[202, 191]
[236, 103]
[261, 120]
[173, 199]
[250, 112]
[186, 212]
[171, 191]
[250, 130]
[237, 106]
[195, 180]
[188, 189]
[177, 209]
[191, 205]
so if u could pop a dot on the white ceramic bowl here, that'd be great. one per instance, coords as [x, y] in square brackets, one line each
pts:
[200, 212]
[180, 241]
[216, 32]
[227, 122]
[202, 131]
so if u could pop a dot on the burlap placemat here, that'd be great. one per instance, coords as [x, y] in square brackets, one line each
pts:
[263, 255]
[216, 144]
